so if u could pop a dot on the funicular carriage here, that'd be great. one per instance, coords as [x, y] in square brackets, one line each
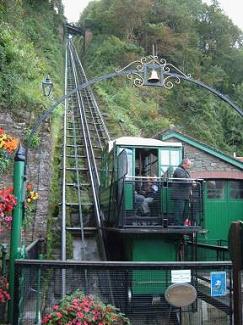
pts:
[130, 165]
[137, 187]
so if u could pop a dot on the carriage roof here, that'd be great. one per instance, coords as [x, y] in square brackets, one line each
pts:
[141, 142]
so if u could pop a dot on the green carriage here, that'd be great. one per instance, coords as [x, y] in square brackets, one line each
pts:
[128, 163]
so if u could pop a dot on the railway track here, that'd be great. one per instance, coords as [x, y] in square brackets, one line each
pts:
[84, 136]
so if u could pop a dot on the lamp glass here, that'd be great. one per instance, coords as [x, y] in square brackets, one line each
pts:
[47, 86]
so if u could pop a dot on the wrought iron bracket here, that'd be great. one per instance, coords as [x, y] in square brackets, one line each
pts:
[166, 73]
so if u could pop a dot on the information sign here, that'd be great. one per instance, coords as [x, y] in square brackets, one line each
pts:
[180, 276]
[218, 284]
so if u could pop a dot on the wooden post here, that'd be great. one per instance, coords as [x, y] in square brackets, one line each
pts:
[236, 252]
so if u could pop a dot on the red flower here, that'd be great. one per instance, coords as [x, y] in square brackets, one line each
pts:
[58, 314]
[7, 203]
[78, 309]
[55, 307]
[4, 295]
[80, 314]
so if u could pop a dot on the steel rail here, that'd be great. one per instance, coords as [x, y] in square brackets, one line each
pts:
[91, 164]
[105, 130]
[86, 95]
[76, 163]
[63, 211]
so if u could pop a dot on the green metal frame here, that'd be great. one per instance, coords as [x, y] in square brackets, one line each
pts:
[15, 244]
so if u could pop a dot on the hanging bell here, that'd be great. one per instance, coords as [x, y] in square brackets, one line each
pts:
[154, 77]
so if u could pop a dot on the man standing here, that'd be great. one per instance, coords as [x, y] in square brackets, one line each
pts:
[181, 191]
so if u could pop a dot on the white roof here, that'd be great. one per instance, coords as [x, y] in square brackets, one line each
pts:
[141, 142]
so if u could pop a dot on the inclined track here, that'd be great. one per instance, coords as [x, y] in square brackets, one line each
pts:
[84, 136]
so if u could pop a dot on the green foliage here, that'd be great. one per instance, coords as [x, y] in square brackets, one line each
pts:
[29, 49]
[197, 38]
[20, 67]
[4, 162]
[31, 141]
[110, 52]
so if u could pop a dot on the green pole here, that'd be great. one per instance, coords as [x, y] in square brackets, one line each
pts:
[18, 178]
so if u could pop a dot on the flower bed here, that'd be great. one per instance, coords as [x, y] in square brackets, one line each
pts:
[7, 203]
[79, 309]
[8, 145]
[30, 205]
[4, 294]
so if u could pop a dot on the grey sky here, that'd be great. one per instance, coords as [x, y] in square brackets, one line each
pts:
[233, 9]
[73, 9]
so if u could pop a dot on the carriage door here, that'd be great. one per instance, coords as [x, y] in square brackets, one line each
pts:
[125, 172]
[169, 159]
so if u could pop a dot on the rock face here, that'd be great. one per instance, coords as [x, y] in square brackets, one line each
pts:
[38, 173]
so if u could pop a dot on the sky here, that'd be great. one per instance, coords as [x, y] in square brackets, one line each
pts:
[73, 9]
[232, 8]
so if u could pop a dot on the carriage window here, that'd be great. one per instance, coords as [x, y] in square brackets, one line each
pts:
[165, 157]
[215, 189]
[236, 190]
[174, 157]
[129, 153]
[169, 159]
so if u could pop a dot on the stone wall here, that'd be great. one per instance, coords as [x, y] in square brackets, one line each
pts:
[38, 173]
[206, 165]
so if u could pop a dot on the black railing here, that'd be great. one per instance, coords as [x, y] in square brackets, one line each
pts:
[152, 202]
[138, 289]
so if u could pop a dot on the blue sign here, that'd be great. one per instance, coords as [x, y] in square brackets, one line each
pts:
[218, 284]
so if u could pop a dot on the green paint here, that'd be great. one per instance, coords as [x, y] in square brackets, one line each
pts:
[151, 282]
[128, 195]
[19, 172]
[220, 213]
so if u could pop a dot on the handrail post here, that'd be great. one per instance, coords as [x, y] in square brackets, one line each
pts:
[38, 291]
[18, 178]
[4, 256]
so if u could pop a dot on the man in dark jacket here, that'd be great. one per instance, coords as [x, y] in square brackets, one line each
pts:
[181, 191]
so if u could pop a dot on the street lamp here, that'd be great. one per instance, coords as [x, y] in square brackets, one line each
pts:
[47, 86]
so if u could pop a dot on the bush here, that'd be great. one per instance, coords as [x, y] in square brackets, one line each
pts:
[80, 309]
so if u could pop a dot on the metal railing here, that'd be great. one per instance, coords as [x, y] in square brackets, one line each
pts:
[172, 203]
[138, 289]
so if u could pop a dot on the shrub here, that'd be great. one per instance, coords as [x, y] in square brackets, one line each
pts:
[80, 309]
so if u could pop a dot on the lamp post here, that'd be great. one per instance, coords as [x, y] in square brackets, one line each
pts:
[47, 86]
[15, 243]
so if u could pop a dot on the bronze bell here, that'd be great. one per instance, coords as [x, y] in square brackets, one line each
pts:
[154, 77]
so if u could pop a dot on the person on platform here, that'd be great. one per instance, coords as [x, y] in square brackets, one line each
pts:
[182, 189]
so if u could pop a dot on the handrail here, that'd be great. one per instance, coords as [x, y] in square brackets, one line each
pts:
[118, 264]
[210, 246]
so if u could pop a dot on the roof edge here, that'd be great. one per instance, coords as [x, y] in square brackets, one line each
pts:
[168, 134]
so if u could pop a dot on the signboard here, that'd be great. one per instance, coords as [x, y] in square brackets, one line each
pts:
[180, 276]
[180, 294]
[218, 284]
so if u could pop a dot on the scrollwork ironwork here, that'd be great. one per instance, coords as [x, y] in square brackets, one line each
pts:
[168, 81]
[164, 69]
